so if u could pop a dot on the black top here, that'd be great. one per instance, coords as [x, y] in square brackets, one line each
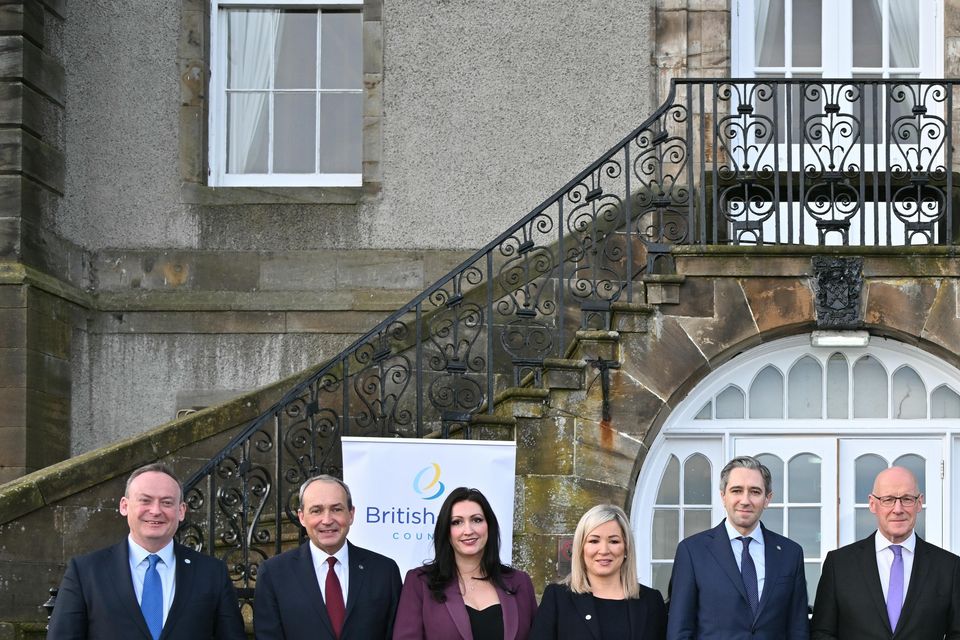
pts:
[486, 624]
[613, 617]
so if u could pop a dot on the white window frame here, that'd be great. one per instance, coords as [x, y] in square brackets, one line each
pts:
[217, 122]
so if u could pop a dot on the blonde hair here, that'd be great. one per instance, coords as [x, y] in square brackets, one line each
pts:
[593, 518]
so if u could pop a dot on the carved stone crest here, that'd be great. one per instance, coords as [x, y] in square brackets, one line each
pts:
[838, 286]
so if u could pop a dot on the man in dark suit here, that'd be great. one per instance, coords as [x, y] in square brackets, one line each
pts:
[147, 586]
[891, 585]
[300, 593]
[739, 580]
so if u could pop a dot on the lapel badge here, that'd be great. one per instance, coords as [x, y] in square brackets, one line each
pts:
[186, 560]
[778, 548]
[587, 617]
[360, 566]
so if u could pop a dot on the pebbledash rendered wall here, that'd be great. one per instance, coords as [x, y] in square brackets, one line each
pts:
[474, 113]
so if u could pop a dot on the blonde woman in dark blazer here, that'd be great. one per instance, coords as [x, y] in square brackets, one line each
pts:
[601, 598]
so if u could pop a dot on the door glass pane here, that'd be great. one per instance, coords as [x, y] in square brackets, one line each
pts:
[805, 529]
[769, 30]
[944, 403]
[904, 33]
[866, 469]
[669, 492]
[294, 130]
[666, 533]
[917, 466]
[341, 132]
[909, 395]
[811, 571]
[806, 33]
[766, 394]
[869, 389]
[341, 51]
[696, 480]
[866, 522]
[867, 33]
[695, 521]
[773, 519]
[730, 403]
[805, 478]
[661, 577]
[775, 465]
[805, 389]
[838, 387]
[296, 51]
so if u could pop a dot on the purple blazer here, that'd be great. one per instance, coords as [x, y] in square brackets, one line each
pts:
[420, 617]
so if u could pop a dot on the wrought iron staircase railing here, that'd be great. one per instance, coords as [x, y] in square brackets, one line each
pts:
[741, 162]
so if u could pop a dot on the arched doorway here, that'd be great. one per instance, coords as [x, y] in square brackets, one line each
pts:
[825, 420]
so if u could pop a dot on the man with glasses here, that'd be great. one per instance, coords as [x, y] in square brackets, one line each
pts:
[892, 584]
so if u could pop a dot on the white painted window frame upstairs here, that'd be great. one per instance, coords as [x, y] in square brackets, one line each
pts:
[217, 121]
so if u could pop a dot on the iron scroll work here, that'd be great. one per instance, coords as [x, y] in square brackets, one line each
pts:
[735, 162]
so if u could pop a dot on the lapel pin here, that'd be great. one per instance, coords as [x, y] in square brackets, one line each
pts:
[588, 616]
[360, 566]
[186, 560]
[778, 547]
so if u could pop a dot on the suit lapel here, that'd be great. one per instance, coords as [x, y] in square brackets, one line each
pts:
[772, 559]
[637, 614]
[511, 618]
[122, 583]
[583, 602]
[722, 552]
[185, 580]
[307, 575]
[921, 568]
[867, 553]
[358, 572]
[457, 609]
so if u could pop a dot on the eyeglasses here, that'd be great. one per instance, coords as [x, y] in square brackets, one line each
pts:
[888, 501]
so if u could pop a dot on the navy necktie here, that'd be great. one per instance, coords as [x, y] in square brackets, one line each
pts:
[151, 601]
[748, 571]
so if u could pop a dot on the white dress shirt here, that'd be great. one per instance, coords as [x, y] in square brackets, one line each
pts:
[342, 567]
[167, 568]
[885, 560]
[756, 551]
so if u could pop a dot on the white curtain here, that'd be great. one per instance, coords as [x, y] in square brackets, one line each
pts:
[904, 33]
[768, 33]
[252, 37]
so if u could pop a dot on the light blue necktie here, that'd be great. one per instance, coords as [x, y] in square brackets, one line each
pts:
[151, 602]
[895, 589]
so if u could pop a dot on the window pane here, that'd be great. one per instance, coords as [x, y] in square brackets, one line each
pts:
[695, 521]
[805, 529]
[247, 131]
[917, 466]
[294, 132]
[869, 389]
[250, 40]
[661, 577]
[773, 519]
[866, 468]
[704, 413]
[766, 394]
[904, 33]
[806, 33]
[669, 492]
[866, 522]
[341, 51]
[730, 403]
[341, 132]
[296, 51]
[768, 33]
[867, 33]
[805, 478]
[806, 389]
[944, 403]
[909, 394]
[666, 533]
[811, 571]
[696, 480]
[775, 465]
[838, 387]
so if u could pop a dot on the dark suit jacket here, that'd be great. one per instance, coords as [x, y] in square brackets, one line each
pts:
[97, 601]
[850, 600]
[420, 617]
[288, 603]
[564, 615]
[708, 600]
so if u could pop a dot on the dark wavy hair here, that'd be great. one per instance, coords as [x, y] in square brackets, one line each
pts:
[442, 570]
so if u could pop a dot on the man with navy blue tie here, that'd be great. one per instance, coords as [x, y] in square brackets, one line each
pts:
[739, 580]
[892, 585]
[147, 587]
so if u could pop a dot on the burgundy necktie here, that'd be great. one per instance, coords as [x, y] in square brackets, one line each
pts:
[333, 593]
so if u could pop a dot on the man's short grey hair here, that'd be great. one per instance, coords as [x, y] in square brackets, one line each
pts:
[326, 478]
[746, 462]
[153, 467]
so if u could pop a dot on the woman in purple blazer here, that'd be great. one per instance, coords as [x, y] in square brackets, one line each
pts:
[465, 592]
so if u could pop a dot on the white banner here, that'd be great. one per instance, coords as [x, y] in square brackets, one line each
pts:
[398, 485]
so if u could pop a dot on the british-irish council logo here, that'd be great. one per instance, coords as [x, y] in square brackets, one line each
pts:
[427, 482]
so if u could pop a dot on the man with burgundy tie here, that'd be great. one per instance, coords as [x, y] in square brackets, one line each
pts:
[327, 588]
[891, 585]
[147, 587]
[739, 580]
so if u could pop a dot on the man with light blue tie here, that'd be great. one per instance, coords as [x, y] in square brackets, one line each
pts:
[892, 585]
[739, 580]
[148, 586]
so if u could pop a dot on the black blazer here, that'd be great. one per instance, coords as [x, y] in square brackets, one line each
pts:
[564, 615]
[97, 601]
[288, 603]
[850, 600]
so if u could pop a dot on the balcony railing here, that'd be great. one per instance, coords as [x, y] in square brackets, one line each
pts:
[740, 162]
